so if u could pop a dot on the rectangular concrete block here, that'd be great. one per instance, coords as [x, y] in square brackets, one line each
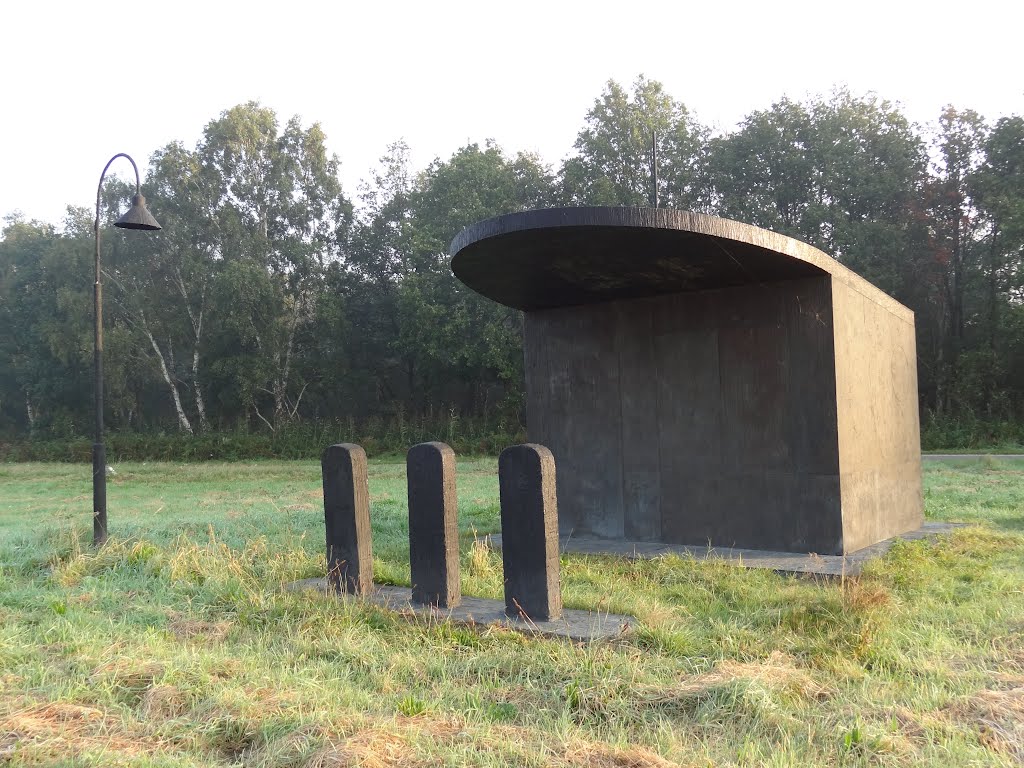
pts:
[347, 519]
[529, 531]
[433, 525]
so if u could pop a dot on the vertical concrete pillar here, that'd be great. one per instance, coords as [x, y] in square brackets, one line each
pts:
[347, 518]
[529, 532]
[433, 525]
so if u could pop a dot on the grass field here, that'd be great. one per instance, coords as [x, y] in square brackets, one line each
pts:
[175, 646]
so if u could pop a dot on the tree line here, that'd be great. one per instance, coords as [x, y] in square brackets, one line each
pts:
[271, 297]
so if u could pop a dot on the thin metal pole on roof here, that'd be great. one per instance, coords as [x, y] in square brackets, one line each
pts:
[654, 169]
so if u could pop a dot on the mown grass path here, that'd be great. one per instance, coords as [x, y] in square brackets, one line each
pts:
[175, 646]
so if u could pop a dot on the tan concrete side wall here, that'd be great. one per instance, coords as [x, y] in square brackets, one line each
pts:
[878, 422]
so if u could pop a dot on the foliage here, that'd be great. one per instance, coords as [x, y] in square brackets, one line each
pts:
[969, 433]
[297, 440]
[839, 174]
[612, 164]
[271, 302]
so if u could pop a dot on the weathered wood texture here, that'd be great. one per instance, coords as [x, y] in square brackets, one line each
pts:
[433, 525]
[689, 419]
[529, 532]
[347, 519]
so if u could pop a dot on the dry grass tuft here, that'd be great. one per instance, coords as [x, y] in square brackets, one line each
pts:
[860, 595]
[1007, 679]
[62, 729]
[777, 673]
[371, 748]
[192, 629]
[250, 575]
[656, 613]
[910, 725]
[998, 717]
[603, 756]
[57, 715]
[288, 749]
[389, 744]
[163, 702]
[128, 675]
[479, 564]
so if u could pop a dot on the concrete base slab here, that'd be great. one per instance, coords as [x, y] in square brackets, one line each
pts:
[583, 626]
[829, 566]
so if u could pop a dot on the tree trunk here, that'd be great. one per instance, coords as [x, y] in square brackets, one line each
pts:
[993, 320]
[282, 412]
[183, 421]
[204, 425]
[196, 319]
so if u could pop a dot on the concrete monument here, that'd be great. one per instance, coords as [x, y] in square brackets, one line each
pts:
[702, 381]
[347, 519]
[529, 532]
[433, 525]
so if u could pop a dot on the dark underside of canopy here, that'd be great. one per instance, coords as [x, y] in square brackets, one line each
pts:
[546, 263]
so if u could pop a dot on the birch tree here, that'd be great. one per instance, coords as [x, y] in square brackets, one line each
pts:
[612, 161]
[280, 219]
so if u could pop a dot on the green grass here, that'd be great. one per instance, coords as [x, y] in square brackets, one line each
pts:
[175, 646]
[1006, 449]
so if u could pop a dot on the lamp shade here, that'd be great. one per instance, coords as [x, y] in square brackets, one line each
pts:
[138, 216]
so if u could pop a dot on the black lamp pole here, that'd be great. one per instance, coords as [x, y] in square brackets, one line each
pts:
[137, 217]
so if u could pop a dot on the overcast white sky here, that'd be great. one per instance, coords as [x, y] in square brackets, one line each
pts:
[81, 81]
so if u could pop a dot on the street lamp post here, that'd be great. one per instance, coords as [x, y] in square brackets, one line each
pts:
[137, 217]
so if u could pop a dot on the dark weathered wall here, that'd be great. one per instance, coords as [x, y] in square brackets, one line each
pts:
[879, 429]
[694, 418]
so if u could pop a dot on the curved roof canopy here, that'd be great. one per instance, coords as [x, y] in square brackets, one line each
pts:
[566, 256]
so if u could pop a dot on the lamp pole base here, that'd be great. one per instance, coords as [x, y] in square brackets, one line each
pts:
[99, 494]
